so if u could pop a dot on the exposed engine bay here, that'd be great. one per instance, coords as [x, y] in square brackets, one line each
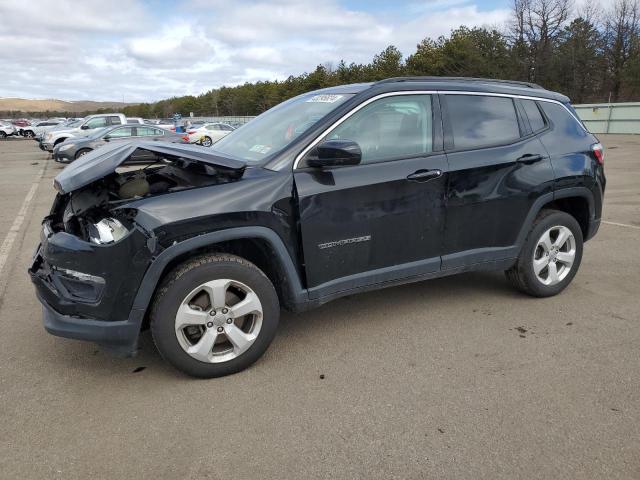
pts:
[89, 212]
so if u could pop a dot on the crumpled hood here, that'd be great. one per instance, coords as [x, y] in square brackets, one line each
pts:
[103, 161]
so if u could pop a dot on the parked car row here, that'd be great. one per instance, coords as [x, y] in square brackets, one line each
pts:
[76, 147]
[30, 128]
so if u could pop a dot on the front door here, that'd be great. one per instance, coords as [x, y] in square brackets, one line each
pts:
[381, 220]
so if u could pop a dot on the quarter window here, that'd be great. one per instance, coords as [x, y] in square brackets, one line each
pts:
[392, 127]
[479, 121]
[533, 114]
[147, 131]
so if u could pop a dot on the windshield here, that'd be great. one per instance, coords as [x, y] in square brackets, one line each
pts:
[278, 127]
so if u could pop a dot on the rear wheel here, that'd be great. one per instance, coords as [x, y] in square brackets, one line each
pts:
[3, 135]
[214, 315]
[550, 257]
[207, 142]
[82, 152]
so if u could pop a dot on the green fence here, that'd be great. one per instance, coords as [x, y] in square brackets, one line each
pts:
[610, 117]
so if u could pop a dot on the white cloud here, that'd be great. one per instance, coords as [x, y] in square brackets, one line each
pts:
[148, 51]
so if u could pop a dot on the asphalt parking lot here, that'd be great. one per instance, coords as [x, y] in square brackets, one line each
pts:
[460, 377]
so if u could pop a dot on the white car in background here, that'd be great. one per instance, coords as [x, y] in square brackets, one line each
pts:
[37, 129]
[208, 133]
[6, 129]
[83, 128]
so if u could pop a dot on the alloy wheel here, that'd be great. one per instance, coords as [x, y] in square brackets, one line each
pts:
[218, 321]
[554, 255]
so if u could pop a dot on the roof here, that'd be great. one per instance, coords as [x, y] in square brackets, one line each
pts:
[488, 85]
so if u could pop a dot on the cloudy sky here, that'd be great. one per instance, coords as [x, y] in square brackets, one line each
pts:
[143, 50]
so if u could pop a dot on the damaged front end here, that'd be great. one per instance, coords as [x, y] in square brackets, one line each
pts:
[93, 254]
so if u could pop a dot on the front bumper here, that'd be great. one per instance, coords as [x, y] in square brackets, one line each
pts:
[62, 157]
[95, 305]
[47, 146]
[120, 337]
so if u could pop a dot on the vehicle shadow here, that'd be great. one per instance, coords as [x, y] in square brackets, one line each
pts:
[403, 298]
[351, 312]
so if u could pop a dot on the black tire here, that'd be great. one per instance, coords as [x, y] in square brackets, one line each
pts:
[2, 135]
[187, 277]
[522, 274]
[28, 134]
[82, 152]
[60, 140]
[206, 141]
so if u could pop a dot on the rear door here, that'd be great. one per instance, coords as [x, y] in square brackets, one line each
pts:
[498, 168]
[381, 220]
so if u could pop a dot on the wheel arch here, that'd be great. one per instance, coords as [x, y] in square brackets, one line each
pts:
[576, 201]
[260, 245]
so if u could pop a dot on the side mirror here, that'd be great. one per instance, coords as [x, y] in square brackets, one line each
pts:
[106, 138]
[335, 153]
[84, 127]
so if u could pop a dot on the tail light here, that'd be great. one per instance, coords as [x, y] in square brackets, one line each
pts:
[598, 152]
[185, 138]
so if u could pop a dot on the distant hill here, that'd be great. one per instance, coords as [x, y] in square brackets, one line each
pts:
[52, 105]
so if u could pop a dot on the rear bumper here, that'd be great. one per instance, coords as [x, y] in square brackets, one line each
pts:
[594, 226]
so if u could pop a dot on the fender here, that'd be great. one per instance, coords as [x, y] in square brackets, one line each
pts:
[543, 200]
[154, 272]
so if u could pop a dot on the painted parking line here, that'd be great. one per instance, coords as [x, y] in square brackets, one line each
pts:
[625, 225]
[11, 236]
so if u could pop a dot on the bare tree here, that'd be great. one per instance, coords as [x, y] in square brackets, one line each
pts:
[622, 29]
[543, 22]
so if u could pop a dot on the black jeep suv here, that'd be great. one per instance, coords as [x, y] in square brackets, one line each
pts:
[334, 192]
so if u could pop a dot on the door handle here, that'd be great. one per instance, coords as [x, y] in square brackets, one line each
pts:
[424, 175]
[530, 158]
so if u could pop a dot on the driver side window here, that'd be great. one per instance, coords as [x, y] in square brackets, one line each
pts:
[120, 132]
[392, 127]
[97, 122]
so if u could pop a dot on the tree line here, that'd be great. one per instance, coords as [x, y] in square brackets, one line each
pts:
[591, 55]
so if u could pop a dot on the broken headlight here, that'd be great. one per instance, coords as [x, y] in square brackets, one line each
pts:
[107, 230]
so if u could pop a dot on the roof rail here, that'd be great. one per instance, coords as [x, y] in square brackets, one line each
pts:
[459, 79]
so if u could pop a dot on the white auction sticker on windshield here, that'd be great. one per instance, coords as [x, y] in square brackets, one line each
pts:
[327, 98]
[263, 149]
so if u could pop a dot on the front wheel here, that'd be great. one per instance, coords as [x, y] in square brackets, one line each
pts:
[206, 142]
[214, 315]
[28, 134]
[550, 257]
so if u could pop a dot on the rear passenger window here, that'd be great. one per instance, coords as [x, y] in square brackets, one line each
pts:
[533, 114]
[479, 121]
